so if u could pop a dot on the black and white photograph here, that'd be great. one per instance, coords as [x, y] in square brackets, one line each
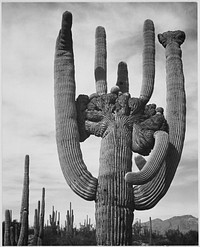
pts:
[99, 123]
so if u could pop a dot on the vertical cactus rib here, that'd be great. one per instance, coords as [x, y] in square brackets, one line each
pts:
[154, 163]
[100, 70]
[148, 61]
[145, 195]
[7, 241]
[67, 136]
[122, 77]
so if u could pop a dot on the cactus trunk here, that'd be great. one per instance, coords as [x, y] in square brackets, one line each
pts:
[114, 203]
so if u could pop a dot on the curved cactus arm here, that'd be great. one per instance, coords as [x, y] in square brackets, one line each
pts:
[122, 77]
[154, 163]
[100, 70]
[148, 60]
[148, 195]
[176, 99]
[67, 135]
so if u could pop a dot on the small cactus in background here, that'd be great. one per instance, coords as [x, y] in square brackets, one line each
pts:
[53, 220]
[15, 233]
[126, 124]
[24, 213]
[7, 241]
[39, 222]
[10, 230]
[69, 223]
[36, 228]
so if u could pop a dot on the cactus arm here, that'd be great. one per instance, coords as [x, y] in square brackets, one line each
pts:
[67, 135]
[100, 70]
[148, 61]
[176, 99]
[154, 163]
[122, 77]
[147, 195]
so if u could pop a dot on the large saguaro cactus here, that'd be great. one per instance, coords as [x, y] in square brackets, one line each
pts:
[126, 125]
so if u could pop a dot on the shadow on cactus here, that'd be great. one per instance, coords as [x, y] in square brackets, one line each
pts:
[125, 124]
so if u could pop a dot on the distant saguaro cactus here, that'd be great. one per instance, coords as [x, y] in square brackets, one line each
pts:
[7, 241]
[24, 213]
[69, 224]
[126, 125]
[39, 222]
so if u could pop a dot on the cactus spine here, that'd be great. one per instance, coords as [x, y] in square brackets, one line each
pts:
[125, 124]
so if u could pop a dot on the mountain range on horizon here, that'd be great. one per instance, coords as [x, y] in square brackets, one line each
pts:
[184, 224]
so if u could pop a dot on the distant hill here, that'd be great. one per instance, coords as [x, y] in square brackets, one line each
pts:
[184, 223]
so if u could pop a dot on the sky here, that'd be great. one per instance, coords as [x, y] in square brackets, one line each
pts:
[29, 32]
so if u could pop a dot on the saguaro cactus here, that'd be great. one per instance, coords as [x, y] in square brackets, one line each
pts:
[41, 220]
[126, 125]
[24, 213]
[7, 241]
[69, 223]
